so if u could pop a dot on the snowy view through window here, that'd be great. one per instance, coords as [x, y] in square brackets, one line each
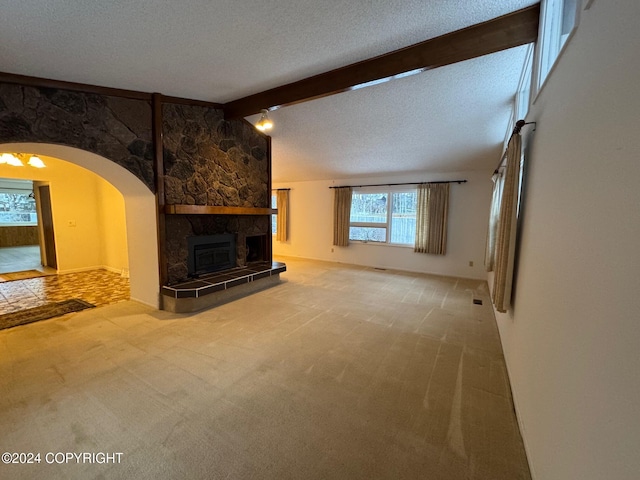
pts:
[17, 208]
[383, 217]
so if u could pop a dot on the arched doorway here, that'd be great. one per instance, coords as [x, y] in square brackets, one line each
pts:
[140, 213]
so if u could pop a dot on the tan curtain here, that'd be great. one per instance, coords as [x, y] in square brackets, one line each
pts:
[282, 204]
[431, 218]
[494, 215]
[506, 231]
[341, 216]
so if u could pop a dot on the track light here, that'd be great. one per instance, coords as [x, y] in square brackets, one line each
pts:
[265, 122]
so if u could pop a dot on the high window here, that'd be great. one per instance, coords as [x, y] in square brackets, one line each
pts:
[384, 215]
[558, 20]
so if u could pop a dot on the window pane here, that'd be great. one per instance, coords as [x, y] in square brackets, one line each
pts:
[558, 20]
[569, 9]
[274, 218]
[17, 208]
[368, 234]
[403, 218]
[523, 96]
[369, 208]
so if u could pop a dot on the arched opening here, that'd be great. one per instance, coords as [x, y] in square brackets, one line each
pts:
[139, 212]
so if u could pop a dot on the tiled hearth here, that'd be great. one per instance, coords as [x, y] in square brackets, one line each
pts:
[220, 287]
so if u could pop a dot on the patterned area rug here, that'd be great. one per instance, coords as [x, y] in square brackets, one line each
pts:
[8, 277]
[44, 312]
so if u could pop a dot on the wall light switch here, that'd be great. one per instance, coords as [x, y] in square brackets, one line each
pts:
[471, 263]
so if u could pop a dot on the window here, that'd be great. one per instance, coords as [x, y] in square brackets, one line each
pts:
[383, 216]
[523, 95]
[521, 104]
[558, 20]
[522, 98]
[369, 217]
[274, 217]
[17, 203]
[403, 217]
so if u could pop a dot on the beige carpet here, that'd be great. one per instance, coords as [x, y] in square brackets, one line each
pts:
[338, 373]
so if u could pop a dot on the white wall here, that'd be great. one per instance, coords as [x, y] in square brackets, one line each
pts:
[572, 341]
[311, 227]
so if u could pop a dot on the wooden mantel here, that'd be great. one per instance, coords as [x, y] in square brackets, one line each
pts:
[211, 210]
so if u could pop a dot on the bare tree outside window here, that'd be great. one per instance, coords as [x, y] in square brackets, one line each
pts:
[383, 216]
[17, 208]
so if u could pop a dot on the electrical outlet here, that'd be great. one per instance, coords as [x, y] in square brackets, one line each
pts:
[471, 263]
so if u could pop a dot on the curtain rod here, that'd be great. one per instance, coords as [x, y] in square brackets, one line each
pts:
[516, 130]
[282, 189]
[396, 184]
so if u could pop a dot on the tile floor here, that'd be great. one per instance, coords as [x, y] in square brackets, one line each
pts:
[15, 259]
[99, 287]
[339, 372]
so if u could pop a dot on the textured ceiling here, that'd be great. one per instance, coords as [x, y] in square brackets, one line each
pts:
[448, 119]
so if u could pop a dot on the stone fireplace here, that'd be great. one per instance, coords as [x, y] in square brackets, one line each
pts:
[211, 176]
[180, 228]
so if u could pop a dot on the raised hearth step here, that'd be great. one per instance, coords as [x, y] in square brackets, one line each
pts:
[223, 280]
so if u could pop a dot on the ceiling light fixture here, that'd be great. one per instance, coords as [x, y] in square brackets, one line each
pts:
[36, 162]
[12, 160]
[4, 158]
[18, 159]
[265, 122]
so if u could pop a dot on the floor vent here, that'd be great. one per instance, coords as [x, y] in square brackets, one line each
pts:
[477, 301]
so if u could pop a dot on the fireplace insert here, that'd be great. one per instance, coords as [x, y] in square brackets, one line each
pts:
[211, 253]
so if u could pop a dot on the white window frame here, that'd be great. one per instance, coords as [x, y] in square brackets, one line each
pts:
[386, 225]
[549, 47]
[522, 101]
[388, 191]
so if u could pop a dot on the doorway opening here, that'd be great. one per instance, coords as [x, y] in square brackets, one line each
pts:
[84, 205]
[24, 213]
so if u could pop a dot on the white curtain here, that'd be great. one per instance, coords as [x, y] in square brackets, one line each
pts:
[431, 218]
[494, 215]
[506, 231]
[341, 216]
[282, 204]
